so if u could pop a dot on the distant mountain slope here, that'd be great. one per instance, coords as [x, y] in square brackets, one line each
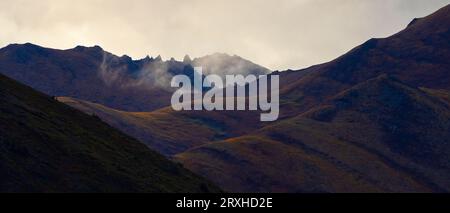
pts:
[92, 74]
[89, 73]
[47, 146]
[223, 64]
[418, 55]
[380, 135]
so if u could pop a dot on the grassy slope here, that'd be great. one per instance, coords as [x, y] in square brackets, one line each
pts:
[167, 131]
[47, 146]
[377, 136]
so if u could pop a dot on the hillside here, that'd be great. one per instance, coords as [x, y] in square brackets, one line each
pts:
[47, 146]
[380, 135]
[170, 132]
[417, 55]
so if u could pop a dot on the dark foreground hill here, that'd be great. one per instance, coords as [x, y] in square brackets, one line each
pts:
[46, 146]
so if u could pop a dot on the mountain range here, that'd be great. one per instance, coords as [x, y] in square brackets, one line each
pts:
[376, 119]
[93, 74]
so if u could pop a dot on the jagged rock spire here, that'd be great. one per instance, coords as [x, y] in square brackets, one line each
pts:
[187, 59]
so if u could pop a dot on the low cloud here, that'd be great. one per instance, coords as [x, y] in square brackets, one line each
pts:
[151, 75]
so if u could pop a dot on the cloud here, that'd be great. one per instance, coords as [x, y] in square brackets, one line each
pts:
[277, 34]
[151, 75]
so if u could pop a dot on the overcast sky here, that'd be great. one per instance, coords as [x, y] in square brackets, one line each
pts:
[278, 34]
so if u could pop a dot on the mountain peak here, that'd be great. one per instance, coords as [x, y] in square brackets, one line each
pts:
[220, 55]
[413, 21]
[433, 23]
[82, 48]
[25, 45]
[158, 58]
[147, 58]
[187, 59]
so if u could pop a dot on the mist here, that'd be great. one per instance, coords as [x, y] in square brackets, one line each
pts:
[151, 75]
